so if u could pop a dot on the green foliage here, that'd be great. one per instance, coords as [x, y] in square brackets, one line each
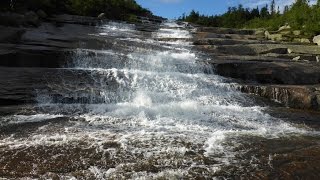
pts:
[300, 16]
[20, 6]
[115, 9]
[131, 18]
[234, 17]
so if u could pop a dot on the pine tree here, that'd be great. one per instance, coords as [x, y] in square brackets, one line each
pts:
[273, 7]
[286, 9]
[264, 12]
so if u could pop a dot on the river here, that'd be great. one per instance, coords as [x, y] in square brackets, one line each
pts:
[150, 107]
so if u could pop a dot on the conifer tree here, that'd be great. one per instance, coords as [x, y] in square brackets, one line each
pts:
[272, 7]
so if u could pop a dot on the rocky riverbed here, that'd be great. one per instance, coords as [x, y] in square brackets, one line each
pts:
[85, 98]
[288, 73]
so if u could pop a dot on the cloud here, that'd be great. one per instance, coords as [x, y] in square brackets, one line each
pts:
[254, 3]
[260, 3]
[169, 1]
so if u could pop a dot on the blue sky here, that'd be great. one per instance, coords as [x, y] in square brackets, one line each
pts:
[175, 8]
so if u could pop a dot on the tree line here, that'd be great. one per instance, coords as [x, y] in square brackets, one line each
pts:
[115, 9]
[300, 16]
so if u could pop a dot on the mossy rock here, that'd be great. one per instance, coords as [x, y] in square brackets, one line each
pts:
[132, 18]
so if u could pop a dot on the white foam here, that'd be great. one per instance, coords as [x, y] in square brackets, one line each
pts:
[142, 100]
[172, 33]
[21, 119]
[172, 24]
[117, 29]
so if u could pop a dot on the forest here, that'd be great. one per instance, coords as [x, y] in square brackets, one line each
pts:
[300, 16]
[114, 9]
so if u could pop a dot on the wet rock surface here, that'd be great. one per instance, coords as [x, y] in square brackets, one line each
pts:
[29, 56]
[302, 152]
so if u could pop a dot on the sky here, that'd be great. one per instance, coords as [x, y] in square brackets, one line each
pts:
[174, 8]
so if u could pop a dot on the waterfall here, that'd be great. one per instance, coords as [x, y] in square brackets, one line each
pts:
[149, 106]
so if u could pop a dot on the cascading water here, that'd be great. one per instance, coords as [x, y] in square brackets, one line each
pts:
[153, 110]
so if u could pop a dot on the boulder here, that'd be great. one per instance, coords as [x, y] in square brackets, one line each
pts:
[296, 58]
[301, 40]
[42, 14]
[266, 34]
[275, 37]
[297, 32]
[316, 40]
[32, 18]
[304, 40]
[102, 16]
[285, 27]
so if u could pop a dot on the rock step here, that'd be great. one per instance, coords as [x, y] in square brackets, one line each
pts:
[225, 58]
[223, 41]
[257, 49]
[204, 35]
[298, 97]
[289, 73]
[74, 19]
[18, 85]
[48, 56]
[269, 57]
[25, 85]
[34, 57]
[226, 30]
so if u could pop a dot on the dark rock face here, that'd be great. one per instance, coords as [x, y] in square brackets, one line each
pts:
[25, 85]
[49, 45]
[10, 34]
[30, 57]
[74, 19]
[18, 85]
[16, 20]
[42, 14]
[32, 18]
[34, 58]
[12, 19]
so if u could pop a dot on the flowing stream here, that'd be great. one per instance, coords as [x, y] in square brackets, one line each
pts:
[147, 108]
